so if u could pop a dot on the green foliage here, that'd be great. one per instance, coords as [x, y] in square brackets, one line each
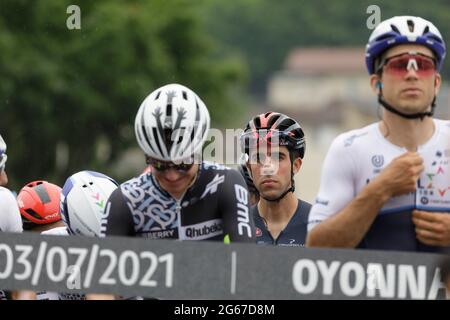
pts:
[82, 88]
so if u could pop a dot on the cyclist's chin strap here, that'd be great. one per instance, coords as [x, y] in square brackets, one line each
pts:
[419, 115]
[291, 189]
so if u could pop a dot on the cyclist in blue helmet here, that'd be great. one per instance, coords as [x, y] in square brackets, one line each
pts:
[384, 186]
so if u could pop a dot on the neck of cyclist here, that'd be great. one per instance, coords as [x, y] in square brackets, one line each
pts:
[45, 227]
[407, 133]
[278, 211]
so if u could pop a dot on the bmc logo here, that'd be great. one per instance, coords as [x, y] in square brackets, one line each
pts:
[243, 215]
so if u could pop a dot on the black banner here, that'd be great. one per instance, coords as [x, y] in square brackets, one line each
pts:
[209, 270]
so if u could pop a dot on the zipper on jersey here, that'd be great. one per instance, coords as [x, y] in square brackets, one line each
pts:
[178, 212]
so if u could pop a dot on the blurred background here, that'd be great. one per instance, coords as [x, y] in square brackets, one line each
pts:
[68, 98]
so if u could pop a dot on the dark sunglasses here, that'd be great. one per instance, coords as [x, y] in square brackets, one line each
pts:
[162, 166]
[401, 64]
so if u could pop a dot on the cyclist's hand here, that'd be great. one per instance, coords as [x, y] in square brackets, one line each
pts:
[401, 175]
[432, 228]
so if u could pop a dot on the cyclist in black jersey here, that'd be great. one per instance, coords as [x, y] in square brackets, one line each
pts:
[275, 145]
[183, 198]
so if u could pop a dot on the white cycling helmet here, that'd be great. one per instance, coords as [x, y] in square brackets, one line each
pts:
[3, 156]
[83, 201]
[172, 123]
[404, 30]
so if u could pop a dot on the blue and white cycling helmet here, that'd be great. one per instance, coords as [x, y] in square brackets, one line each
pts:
[83, 201]
[404, 30]
[3, 156]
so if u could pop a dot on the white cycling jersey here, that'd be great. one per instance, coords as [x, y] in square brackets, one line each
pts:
[10, 220]
[356, 157]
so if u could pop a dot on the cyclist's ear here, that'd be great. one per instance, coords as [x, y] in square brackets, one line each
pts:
[297, 164]
[437, 83]
[375, 83]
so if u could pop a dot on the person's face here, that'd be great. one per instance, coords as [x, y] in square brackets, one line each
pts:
[271, 171]
[408, 89]
[175, 181]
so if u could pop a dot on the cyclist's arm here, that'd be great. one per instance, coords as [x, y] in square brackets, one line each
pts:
[234, 203]
[118, 217]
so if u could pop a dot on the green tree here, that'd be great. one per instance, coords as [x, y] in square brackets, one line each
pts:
[76, 90]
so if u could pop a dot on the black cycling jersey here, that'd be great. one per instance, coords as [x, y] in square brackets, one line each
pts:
[294, 234]
[216, 205]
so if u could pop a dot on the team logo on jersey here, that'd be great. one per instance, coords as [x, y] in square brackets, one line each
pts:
[204, 230]
[213, 185]
[378, 161]
[424, 200]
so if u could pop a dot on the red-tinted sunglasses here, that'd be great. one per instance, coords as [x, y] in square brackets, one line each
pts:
[401, 64]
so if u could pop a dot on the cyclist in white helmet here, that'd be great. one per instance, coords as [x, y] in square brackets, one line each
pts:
[382, 186]
[199, 200]
[82, 204]
[10, 220]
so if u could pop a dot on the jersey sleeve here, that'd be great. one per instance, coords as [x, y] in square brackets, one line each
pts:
[10, 219]
[337, 187]
[118, 219]
[234, 202]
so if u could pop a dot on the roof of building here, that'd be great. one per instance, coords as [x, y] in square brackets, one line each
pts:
[326, 60]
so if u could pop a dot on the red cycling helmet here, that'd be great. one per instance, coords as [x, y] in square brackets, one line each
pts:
[39, 203]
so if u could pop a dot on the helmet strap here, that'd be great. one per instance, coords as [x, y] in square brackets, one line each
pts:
[419, 115]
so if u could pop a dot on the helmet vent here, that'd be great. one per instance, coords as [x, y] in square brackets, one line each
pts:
[426, 30]
[33, 213]
[184, 95]
[395, 29]
[410, 25]
[157, 95]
